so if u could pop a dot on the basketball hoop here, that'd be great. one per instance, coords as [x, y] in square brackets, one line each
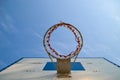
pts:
[52, 52]
[63, 61]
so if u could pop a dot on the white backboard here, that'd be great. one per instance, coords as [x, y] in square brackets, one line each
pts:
[32, 69]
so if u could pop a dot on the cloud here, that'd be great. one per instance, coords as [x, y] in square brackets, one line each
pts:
[102, 47]
[113, 58]
[96, 49]
[38, 35]
[6, 22]
[117, 18]
[60, 47]
[2, 64]
[111, 8]
[87, 50]
[35, 52]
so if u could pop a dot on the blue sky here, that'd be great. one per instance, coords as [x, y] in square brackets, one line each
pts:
[23, 24]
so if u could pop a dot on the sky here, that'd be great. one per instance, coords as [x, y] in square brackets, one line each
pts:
[23, 24]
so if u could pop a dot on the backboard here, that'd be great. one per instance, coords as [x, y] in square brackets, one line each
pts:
[32, 69]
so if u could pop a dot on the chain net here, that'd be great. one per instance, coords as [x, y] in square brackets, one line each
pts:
[52, 52]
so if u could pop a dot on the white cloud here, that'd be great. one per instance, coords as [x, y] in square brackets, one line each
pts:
[2, 63]
[35, 51]
[115, 36]
[6, 21]
[38, 35]
[117, 18]
[88, 50]
[60, 47]
[113, 58]
[96, 49]
[111, 8]
[102, 47]
[4, 26]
